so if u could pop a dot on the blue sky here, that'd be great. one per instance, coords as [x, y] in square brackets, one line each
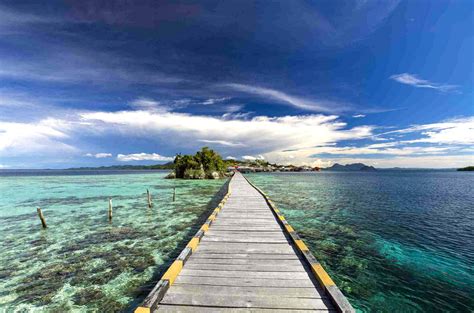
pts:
[86, 83]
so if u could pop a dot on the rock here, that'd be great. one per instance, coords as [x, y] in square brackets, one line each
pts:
[171, 175]
[215, 175]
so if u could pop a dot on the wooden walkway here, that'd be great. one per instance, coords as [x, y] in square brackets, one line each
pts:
[245, 262]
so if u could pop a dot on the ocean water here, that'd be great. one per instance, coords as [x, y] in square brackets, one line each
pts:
[393, 241]
[81, 262]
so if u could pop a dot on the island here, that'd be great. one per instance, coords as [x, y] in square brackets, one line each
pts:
[205, 164]
[466, 169]
[351, 167]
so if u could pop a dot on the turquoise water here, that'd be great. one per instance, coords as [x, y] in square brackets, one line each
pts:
[394, 241]
[81, 262]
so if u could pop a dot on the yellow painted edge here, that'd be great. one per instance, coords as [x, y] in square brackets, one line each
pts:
[322, 275]
[301, 245]
[141, 309]
[289, 228]
[205, 228]
[212, 217]
[276, 210]
[173, 271]
[193, 243]
[281, 217]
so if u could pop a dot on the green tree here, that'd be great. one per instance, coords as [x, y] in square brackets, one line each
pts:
[206, 160]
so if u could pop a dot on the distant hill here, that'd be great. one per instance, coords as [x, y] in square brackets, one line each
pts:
[351, 167]
[166, 166]
[466, 169]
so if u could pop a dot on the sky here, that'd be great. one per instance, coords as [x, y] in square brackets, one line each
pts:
[94, 82]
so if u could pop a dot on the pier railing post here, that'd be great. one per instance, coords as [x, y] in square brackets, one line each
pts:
[41, 217]
[110, 209]
[149, 198]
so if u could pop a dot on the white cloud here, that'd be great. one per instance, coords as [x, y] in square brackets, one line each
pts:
[212, 101]
[248, 158]
[145, 104]
[261, 134]
[358, 115]
[45, 137]
[143, 157]
[252, 158]
[458, 131]
[230, 158]
[413, 80]
[222, 143]
[99, 155]
[297, 102]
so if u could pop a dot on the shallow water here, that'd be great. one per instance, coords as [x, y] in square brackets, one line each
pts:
[394, 241]
[81, 262]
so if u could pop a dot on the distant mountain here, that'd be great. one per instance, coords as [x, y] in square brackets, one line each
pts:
[351, 167]
[166, 166]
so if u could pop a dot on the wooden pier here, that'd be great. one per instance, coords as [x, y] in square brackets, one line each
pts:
[245, 258]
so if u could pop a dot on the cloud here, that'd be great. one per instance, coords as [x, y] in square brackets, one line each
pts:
[358, 116]
[212, 101]
[230, 158]
[45, 137]
[413, 80]
[98, 155]
[296, 102]
[252, 158]
[458, 131]
[143, 157]
[261, 134]
[222, 143]
[10, 19]
[145, 104]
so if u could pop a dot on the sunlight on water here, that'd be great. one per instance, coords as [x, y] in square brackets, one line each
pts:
[82, 262]
[393, 241]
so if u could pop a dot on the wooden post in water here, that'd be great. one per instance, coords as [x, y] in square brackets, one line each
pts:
[41, 217]
[149, 198]
[110, 209]
[174, 194]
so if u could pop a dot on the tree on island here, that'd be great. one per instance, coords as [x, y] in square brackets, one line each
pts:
[204, 164]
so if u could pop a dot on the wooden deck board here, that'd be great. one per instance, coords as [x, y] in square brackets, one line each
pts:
[243, 301]
[245, 263]
[207, 309]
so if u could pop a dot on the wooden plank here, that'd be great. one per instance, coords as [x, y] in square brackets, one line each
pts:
[306, 292]
[248, 268]
[247, 228]
[260, 262]
[245, 232]
[253, 274]
[207, 309]
[256, 247]
[236, 301]
[245, 256]
[235, 239]
[243, 282]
